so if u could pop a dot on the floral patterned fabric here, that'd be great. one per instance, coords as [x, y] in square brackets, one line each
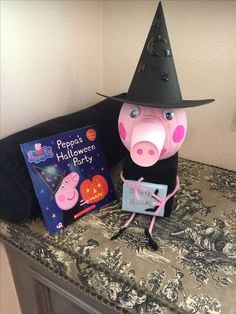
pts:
[194, 270]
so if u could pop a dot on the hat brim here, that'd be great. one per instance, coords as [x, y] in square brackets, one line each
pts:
[182, 104]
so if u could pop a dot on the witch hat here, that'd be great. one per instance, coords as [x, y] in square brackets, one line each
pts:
[155, 82]
[52, 180]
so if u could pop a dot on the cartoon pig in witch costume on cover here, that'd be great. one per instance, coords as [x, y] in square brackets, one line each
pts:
[152, 125]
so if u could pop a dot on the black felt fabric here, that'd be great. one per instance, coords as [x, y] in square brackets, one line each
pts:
[163, 172]
[18, 201]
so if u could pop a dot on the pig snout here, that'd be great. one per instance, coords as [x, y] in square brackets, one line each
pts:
[147, 140]
[74, 177]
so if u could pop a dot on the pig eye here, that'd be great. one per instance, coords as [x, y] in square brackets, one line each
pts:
[63, 186]
[134, 112]
[66, 181]
[168, 114]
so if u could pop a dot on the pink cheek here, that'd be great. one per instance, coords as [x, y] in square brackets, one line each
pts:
[122, 131]
[61, 198]
[178, 134]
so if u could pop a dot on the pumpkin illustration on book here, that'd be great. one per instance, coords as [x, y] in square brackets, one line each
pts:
[94, 189]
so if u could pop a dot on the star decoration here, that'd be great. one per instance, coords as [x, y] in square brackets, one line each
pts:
[167, 52]
[162, 39]
[164, 76]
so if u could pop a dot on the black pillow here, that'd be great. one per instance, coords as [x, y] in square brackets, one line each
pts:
[18, 200]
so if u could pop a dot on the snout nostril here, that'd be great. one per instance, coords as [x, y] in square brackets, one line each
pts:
[139, 151]
[151, 152]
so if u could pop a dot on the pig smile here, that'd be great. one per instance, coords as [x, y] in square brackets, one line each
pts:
[70, 199]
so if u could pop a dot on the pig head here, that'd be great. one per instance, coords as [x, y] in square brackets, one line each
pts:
[67, 195]
[151, 134]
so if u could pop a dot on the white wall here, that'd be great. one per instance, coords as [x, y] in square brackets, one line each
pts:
[51, 55]
[203, 40]
[57, 54]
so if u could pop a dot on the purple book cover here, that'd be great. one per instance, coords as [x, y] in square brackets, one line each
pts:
[70, 175]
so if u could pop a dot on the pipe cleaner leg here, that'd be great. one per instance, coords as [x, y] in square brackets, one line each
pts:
[148, 232]
[125, 226]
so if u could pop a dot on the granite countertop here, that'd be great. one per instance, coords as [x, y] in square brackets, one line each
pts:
[193, 271]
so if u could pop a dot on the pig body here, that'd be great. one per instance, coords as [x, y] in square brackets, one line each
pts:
[151, 132]
[163, 172]
[153, 137]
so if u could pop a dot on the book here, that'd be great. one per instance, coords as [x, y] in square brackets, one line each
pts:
[69, 174]
[138, 198]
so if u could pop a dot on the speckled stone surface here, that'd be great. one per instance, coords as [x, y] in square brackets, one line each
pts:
[193, 271]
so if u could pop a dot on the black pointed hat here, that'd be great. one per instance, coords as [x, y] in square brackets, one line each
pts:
[155, 82]
[52, 180]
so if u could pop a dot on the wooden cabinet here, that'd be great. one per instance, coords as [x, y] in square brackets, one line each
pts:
[40, 291]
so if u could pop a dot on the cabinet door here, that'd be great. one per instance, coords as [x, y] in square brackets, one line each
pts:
[51, 298]
[42, 292]
[61, 305]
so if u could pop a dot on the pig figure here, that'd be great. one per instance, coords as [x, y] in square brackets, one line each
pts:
[153, 136]
[152, 122]
[67, 195]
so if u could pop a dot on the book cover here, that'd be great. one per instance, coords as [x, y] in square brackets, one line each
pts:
[140, 199]
[70, 175]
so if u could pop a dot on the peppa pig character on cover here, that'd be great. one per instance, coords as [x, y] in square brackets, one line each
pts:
[67, 195]
[64, 192]
[38, 148]
[152, 125]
